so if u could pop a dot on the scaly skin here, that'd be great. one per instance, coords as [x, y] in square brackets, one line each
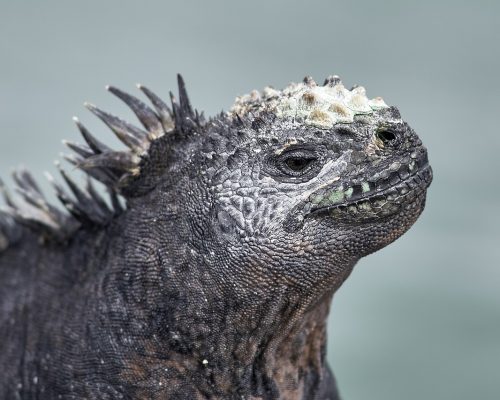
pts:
[216, 280]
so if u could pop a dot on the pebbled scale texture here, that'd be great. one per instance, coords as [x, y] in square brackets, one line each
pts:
[199, 261]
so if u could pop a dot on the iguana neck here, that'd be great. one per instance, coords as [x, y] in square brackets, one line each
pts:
[185, 325]
[295, 359]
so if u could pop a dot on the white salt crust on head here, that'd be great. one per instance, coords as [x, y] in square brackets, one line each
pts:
[319, 106]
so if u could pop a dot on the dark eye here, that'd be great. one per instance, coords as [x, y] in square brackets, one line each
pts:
[298, 164]
[295, 165]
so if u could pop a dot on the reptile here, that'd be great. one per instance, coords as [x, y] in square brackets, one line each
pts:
[200, 260]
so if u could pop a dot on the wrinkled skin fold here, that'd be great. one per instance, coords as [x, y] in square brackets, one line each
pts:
[215, 280]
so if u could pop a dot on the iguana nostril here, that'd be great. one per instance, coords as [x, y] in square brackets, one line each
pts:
[387, 137]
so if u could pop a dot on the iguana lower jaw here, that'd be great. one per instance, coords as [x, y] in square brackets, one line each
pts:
[400, 191]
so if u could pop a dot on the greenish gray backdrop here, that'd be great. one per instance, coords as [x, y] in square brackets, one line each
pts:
[417, 320]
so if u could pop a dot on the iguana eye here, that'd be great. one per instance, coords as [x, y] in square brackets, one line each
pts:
[295, 165]
[298, 164]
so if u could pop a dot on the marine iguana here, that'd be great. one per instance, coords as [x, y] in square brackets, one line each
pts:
[209, 272]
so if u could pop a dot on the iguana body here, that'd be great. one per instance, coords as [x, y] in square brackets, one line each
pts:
[216, 280]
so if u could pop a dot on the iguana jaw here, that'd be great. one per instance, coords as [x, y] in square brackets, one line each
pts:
[402, 190]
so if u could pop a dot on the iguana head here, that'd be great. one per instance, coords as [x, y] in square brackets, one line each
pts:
[299, 184]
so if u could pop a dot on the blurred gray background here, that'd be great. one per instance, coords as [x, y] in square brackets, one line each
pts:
[417, 320]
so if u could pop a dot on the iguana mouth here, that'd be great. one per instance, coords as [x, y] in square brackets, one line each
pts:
[399, 187]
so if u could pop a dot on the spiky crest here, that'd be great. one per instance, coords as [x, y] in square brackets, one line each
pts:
[84, 205]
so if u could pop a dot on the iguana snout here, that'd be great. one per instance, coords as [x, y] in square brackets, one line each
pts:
[398, 185]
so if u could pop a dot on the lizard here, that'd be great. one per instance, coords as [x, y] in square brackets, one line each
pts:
[209, 271]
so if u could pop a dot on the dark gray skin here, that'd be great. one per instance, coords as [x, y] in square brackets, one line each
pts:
[216, 280]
